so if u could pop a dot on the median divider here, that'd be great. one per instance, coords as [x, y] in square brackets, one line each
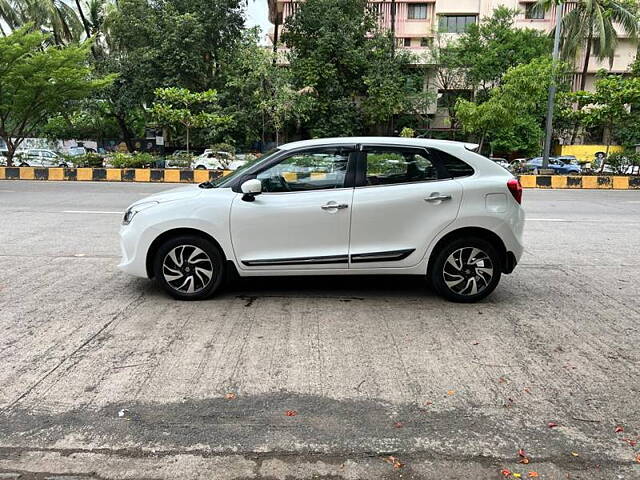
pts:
[150, 175]
[173, 175]
[602, 182]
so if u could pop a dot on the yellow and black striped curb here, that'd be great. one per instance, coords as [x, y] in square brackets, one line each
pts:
[170, 175]
[159, 175]
[580, 181]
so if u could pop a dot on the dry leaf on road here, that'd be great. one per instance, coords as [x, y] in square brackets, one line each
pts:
[291, 413]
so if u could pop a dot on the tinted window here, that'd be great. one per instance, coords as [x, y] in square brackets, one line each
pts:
[311, 170]
[387, 166]
[455, 166]
[456, 23]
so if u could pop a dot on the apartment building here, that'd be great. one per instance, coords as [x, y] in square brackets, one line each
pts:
[417, 22]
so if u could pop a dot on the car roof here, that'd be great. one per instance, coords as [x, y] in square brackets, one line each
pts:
[416, 142]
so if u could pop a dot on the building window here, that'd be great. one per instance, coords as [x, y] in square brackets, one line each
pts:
[533, 11]
[417, 11]
[407, 42]
[456, 23]
[425, 42]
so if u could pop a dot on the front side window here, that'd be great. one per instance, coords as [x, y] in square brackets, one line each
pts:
[417, 11]
[303, 171]
[388, 166]
[456, 23]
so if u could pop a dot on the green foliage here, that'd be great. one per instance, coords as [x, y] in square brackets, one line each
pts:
[132, 160]
[348, 67]
[223, 147]
[37, 82]
[513, 115]
[488, 49]
[179, 106]
[609, 106]
[87, 160]
[407, 132]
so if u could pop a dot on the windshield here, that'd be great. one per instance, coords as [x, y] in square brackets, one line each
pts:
[223, 181]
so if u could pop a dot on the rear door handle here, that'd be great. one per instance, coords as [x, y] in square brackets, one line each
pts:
[334, 206]
[437, 197]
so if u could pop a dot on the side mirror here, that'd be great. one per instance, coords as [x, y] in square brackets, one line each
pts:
[251, 188]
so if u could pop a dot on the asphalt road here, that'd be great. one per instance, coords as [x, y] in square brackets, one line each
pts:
[103, 376]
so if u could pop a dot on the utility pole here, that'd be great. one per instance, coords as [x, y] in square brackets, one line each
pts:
[552, 86]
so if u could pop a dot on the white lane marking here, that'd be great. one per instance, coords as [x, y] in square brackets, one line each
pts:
[546, 220]
[7, 191]
[92, 212]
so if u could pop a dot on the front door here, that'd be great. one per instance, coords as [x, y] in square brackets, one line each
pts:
[301, 219]
[403, 199]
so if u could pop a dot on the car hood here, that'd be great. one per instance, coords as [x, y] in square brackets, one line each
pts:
[180, 193]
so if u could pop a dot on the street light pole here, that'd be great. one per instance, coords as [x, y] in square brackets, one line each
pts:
[552, 86]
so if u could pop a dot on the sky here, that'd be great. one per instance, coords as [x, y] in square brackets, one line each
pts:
[257, 13]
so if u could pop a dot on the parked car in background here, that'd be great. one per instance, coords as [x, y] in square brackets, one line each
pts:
[558, 166]
[336, 206]
[503, 162]
[211, 160]
[41, 157]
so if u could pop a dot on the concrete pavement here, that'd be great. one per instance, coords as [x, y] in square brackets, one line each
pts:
[101, 375]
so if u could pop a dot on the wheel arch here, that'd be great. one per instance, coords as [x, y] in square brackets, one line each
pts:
[478, 232]
[176, 232]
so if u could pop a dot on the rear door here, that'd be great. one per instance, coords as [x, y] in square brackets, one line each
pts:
[403, 198]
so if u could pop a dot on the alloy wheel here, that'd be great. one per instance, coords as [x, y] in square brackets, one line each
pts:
[468, 271]
[187, 269]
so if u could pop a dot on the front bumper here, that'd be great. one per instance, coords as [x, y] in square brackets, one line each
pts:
[134, 247]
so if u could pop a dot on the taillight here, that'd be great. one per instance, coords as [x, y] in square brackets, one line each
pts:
[516, 189]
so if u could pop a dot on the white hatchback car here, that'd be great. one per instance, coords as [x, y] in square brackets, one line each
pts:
[340, 206]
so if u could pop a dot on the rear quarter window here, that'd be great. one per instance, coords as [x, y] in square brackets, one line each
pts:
[454, 166]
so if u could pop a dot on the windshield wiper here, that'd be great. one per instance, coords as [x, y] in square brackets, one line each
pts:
[206, 185]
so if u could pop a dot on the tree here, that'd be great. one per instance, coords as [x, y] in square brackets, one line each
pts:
[609, 105]
[337, 51]
[37, 82]
[516, 107]
[161, 44]
[179, 106]
[55, 16]
[591, 24]
[488, 49]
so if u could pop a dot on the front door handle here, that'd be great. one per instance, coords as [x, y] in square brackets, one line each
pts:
[436, 197]
[334, 206]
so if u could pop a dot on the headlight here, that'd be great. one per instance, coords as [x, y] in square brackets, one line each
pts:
[132, 211]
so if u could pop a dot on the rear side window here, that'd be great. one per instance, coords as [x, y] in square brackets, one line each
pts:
[389, 166]
[454, 166]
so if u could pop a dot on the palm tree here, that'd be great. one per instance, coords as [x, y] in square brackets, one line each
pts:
[51, 16]
[9, 15]
[590, 27]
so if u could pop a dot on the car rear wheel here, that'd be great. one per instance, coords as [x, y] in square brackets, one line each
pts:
[189, 267]
[24, 164]
[201, 167]
[466, 270]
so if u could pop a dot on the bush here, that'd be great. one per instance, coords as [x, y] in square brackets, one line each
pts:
[87, 160]
[136, 160]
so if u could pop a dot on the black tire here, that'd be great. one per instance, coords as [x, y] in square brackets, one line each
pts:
[185, 247]
[201, 167]
[471, 275]
[24, 164]
[63, 165]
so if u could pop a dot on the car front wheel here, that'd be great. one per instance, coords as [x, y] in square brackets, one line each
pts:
[466, 270]
[189, 267]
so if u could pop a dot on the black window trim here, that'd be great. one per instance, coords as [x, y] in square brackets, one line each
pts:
[349, 179]
[443, 173]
